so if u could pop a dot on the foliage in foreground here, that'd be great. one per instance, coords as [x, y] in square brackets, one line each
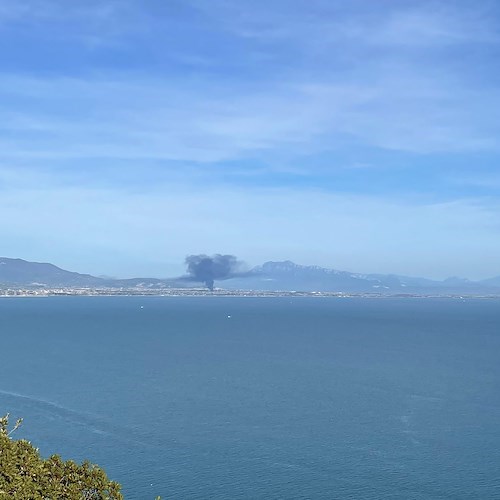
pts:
[24, 474]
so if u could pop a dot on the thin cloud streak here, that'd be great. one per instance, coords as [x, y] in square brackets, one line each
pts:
[148, 119]
[426, 24]
[253, 115]
[146, 232]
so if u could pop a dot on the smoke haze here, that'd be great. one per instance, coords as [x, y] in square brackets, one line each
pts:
[207, 269]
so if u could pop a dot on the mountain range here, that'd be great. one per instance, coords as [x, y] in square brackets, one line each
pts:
[286, 275]
[270, 276]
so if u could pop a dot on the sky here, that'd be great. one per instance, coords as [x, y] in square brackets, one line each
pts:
[361, 136]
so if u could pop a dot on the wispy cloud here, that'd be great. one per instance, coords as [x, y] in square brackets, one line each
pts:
[93, 24]
[137, 118]
[171, 107]
[392, 98]
[154, 230]
[422, 23]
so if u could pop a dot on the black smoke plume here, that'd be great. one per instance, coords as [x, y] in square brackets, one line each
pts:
[207, 269]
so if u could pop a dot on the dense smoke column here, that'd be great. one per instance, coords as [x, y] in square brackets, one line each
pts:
[208, 269]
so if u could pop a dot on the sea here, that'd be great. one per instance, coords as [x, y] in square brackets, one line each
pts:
[261, 398]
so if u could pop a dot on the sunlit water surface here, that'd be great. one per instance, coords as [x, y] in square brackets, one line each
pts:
[235, 398]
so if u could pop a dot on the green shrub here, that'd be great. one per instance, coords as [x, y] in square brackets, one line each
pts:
[24, 474]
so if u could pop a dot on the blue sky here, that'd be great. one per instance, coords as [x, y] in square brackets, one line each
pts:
[357, 135]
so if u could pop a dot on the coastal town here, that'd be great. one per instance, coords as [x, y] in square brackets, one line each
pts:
[217, 292]
[159, 292]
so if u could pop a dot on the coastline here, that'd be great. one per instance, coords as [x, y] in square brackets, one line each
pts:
[197, 292]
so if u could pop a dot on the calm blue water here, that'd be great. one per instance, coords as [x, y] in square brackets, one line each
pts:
[302, 398]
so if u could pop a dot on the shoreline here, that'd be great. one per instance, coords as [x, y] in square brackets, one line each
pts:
[107, 292]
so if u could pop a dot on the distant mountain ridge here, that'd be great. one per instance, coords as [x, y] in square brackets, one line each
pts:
[22, 272]
[492, 281]
[286, 275]
[18, 272]
[270, 276]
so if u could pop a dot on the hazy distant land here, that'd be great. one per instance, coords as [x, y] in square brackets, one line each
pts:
[221, 276]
